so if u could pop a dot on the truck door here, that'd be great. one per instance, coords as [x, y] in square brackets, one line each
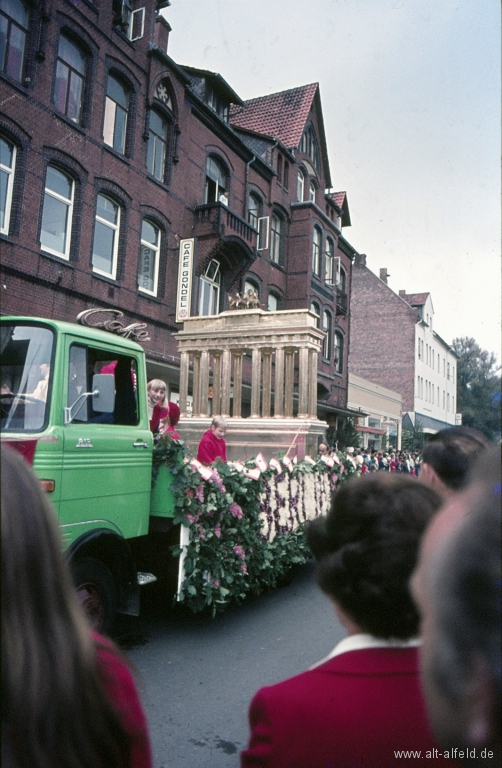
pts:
[107, 460]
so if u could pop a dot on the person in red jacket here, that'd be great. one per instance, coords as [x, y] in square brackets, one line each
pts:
[362, 705]
[212, 444]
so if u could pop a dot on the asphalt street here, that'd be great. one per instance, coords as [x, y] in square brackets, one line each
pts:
[197, 674]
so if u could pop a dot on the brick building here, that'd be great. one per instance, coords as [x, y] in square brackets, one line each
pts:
[112, 154]
[395, 345]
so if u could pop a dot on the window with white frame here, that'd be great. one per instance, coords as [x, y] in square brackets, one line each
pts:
[300, 185]
[329, 269]
[13, 30]
[116, 113]
[69, 83]
[209, 289]
[310, 147]
[7, 169]
[57, 214]
[106, 237]
[315, 309]
[316, 251]
[312, 192]
[327, 328]
[255, 209]
[273, 302]
[338, 352]
[276, 237]
[148, 269]
[157, 145]
[216, 181]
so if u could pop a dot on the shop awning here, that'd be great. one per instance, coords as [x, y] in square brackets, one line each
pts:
[372, 430]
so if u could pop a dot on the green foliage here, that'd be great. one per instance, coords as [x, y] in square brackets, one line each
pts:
[413, 439]
[230, 554]
[478, 387]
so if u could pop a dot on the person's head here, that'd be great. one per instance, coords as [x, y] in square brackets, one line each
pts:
[157, 390]
[448, 455]
[219, 427]
[54, 707]
[367, 546]
[322, 449]
[457, 588]
[45, 369]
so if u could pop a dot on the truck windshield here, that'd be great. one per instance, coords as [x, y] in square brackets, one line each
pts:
[27, 352]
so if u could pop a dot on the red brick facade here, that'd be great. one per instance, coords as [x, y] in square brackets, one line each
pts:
[46, 130]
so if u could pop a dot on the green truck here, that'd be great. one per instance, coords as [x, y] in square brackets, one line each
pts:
[74, 400]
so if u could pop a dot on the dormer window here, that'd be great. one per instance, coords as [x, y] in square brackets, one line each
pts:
[216, 103]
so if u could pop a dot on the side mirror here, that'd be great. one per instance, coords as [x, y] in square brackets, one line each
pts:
[103, 392]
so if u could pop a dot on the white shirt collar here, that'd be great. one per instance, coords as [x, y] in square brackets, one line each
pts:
[360, 641]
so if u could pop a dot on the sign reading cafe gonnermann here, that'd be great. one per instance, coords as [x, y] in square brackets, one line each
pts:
[184, 294]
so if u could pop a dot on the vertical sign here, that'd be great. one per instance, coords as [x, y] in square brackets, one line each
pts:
[184, 294]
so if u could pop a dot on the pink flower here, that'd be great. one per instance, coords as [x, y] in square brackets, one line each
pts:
[190, 493]
[239, 551]
[217, 530]
[235, 510]
[202, 535]
[191, 519]
[199, 492]
[216, 479]
[216, 584]
[244, 568]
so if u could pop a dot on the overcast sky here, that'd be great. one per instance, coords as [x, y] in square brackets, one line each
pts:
[411, 97]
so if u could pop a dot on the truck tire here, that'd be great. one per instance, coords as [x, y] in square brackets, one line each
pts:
[96, 592]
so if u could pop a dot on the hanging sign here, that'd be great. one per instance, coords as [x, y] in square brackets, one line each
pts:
[184, 293]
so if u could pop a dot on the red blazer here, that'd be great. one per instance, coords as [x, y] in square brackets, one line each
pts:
[356, 709]
[210, 448]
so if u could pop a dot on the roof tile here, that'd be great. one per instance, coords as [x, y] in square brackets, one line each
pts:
[281, 115]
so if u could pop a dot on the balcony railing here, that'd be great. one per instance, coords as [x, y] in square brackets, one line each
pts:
[341, 302]
[216, 218]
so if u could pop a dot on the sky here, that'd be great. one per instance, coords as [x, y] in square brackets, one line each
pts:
[411, 98]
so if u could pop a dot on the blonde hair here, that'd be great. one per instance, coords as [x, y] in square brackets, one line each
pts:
[219, 421]
[157, 384]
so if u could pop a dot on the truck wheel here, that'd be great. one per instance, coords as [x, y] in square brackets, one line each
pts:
[96, 592]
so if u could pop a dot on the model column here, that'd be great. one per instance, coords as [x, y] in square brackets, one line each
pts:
[184, 362]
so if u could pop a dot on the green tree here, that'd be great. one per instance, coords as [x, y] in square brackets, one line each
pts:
[478, 387]
[345, 436]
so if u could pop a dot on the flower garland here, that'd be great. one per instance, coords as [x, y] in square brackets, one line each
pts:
[246, 522]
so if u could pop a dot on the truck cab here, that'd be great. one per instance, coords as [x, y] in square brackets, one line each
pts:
[74, 400]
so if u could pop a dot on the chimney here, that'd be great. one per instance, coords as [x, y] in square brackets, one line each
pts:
[162, 29]
[402, 294]
[360, 260]
[384, 275]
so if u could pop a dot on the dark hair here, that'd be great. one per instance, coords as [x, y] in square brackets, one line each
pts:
[452, 452]
[54, 710]
[367, 546]
[465, 586]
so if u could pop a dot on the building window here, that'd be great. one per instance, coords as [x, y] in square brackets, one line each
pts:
[13, 27]
[338, 352]
[157, 146]
[276, 238]
[329, 268]
[209, 289]
[326, 326]
[255, 209]
[148, 271]
[286, 175]
[310, 147]
[273, 302]
[69, 86]
[448, 371]
[316, 251]
[216, 103]
[122, 10]
[106, 237]
[418, 386]
[250, 285]
[315, 309]
[116, 111]
[312, 192]
[216, 181]
[7, 168]
[300, 186]
[279, 168]
[57, 213]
